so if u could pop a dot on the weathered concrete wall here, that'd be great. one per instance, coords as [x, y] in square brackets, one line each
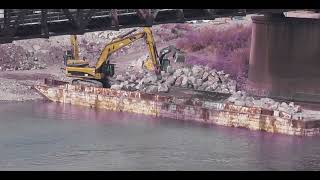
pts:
[284, 57]
[182, 108]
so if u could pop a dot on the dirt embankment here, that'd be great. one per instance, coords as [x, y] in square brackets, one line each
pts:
[27, 62]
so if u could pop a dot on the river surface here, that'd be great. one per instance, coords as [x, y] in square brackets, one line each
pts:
[49, 136]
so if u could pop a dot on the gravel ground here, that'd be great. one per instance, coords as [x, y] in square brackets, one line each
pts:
[17, 85]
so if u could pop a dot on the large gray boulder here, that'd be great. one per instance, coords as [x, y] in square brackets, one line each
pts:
[152, 89]
[178, 81]
[133, 78]
[205, 76]
[191, 81]
[185, 71]
[171, 80]
[197, 71]
[116, 86]
[120, 78]
[178, 72]
[163, 88]
[184, 82]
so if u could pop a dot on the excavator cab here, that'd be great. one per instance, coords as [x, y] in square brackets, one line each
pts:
[108, 69]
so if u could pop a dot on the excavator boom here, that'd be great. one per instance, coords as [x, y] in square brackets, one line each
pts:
[115, 46]
[127, 40]
[153, 56]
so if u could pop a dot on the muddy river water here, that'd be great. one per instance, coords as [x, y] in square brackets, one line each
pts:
[48, 136]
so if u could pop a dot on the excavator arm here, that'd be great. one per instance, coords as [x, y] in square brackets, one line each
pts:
[115, 46]
[120, 43]
[153, 61]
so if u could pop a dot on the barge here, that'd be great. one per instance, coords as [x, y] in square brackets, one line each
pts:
[181, 104]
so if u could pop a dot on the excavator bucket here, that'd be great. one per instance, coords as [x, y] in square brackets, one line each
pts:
[178, 56]
[165, 58]
[164, 64]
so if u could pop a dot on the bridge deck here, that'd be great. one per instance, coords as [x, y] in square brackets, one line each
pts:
[16, 24]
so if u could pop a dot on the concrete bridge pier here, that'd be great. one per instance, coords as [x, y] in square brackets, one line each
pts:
[285, 57]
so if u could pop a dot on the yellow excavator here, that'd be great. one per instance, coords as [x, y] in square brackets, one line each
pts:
[99, 74]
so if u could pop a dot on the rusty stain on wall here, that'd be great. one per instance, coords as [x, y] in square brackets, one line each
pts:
[187, 109]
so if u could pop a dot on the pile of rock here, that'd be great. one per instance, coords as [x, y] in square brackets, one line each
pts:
[196, 77]
[241, 99]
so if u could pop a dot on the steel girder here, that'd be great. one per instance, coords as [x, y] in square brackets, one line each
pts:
[18, 24]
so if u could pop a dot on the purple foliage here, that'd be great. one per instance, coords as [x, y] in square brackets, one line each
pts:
[227, 50]
[225, 41]
[194, 58]
[166, 26]
[166, 36]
